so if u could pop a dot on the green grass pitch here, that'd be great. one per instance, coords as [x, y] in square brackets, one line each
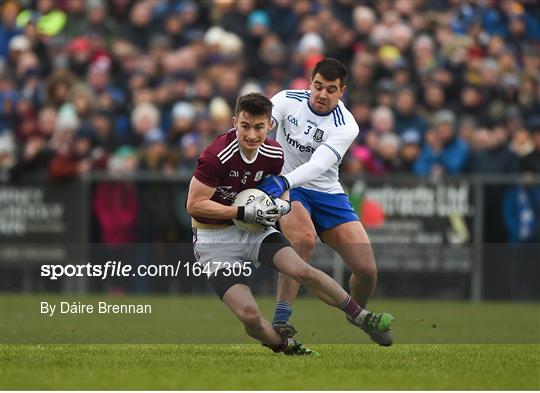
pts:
[194, 343]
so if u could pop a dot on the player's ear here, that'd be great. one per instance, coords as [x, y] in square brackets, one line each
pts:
[234, 122]
[343, 90]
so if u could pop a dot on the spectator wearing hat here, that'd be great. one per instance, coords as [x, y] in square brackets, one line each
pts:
[258, 23]
[182, 117]
[190, 147]
[18, 45]
[444, 152]
[409, 150]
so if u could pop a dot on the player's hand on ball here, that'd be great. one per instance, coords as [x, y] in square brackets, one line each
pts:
[274, 185]
[257, 212]
[283, 206]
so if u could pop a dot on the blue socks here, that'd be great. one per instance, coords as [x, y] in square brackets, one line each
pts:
[283, 312]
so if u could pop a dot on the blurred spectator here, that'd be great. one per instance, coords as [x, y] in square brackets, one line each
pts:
[409, 149]
[530, 163]
[182, 117]
[444, 152]
[115, 203]
[79, 160]
[405, 114]
[490, 153]
[8, 26]
[116, 70]
[49, 21]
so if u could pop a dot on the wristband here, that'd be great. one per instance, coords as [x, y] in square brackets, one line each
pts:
[241, 213]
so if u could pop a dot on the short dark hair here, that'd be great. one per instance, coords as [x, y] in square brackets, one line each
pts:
[254, 104]
[331, 69]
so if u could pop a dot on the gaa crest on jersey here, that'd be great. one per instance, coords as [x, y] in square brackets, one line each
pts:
[318, 135]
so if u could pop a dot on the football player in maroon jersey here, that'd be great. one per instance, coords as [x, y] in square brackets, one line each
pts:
[235, 161]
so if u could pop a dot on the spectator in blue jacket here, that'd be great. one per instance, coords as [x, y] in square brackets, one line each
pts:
[444, 152]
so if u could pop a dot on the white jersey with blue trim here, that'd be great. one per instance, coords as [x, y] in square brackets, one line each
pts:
[300, 131]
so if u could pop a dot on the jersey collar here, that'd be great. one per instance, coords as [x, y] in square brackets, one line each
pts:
[319, 114]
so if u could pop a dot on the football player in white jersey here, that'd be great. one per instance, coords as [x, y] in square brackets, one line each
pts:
[315, 130]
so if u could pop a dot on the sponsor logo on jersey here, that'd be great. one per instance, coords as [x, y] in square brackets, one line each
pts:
[234, 174]
[258, 175]
[293, 120]
[299, 146]
[318, 135]
[226, 193]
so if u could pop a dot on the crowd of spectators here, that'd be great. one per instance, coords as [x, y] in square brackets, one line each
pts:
[437, 87]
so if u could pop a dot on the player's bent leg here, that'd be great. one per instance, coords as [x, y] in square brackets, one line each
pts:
[351, 242]
[275, 251]
[303, 242]
[287, 261]
[329, 291]
[241, 302]
[236, 295]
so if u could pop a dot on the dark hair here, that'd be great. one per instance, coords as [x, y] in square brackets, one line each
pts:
[331, 69]
[254, 104]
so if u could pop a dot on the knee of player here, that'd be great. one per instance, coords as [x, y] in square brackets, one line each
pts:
[250, 315]
[305, 242]
[365, 270]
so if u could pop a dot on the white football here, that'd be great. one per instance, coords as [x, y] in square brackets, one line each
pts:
[244, 198]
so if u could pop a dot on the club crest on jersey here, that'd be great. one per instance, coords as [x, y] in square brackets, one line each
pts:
[258, 175]
[318, 135]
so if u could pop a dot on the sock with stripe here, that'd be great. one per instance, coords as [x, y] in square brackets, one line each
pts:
[283, 312]
[353, 309]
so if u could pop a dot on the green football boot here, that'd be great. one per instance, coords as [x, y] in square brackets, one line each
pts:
[377, 325]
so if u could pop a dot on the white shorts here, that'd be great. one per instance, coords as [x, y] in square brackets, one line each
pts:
[214, 247]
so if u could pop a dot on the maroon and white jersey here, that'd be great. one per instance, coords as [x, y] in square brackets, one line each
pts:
[223, 166]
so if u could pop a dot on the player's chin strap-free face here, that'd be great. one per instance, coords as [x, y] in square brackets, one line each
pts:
[325, 93]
